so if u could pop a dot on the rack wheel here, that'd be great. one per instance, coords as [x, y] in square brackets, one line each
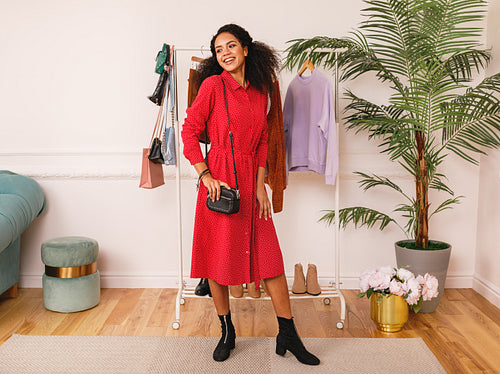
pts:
[326, 301]
[340, 325]
[182, 301]
[176, 325]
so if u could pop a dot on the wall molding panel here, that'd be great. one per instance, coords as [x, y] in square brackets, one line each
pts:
[98, 164]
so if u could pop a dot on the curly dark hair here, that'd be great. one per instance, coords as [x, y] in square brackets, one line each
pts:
[261, 64]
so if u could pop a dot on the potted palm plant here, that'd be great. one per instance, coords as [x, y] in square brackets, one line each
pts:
[428, 53]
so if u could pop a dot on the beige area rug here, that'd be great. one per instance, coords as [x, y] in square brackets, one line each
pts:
[142, 355]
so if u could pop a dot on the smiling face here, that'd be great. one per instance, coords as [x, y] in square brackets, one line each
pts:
[230, 54]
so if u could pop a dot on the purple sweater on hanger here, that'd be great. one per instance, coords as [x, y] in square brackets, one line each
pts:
[310, 129]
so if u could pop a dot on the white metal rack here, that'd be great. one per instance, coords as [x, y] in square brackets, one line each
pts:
[333, 290]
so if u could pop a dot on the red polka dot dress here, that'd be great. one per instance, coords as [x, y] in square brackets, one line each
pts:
[237, 248]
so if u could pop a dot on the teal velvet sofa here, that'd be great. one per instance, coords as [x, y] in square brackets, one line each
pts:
[21, 201]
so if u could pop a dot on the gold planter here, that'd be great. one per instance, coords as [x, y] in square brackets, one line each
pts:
[389, 312]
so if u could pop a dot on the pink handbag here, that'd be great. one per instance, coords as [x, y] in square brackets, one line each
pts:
[151, 173]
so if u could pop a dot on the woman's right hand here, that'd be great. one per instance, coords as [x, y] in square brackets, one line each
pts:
[213, 186]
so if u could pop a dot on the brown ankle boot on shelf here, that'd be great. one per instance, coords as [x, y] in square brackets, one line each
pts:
[313, 287]
[299, 282]
[252, 292]
[236, 291]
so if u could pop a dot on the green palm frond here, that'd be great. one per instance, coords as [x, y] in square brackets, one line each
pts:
[359, 216]
[447, 204]
[461, 66]
[472, 120]
[436, 183]
[302, 49]
[446, 25]
[408, 211]
[370, 181]
[383, 122]
[392, 36]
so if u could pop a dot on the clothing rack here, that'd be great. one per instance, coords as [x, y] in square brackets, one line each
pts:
[333, 290]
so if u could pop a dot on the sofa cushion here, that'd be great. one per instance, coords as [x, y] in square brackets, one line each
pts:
[21, 201]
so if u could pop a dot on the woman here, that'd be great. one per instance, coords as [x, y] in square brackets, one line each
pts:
[241, 247]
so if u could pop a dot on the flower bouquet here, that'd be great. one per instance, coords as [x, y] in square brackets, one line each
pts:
[399, 282]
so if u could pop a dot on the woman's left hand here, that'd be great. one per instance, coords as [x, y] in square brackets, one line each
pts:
[264, 203]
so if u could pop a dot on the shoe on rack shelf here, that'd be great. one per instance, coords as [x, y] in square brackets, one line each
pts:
[312, 285]
[252, 292]
[299, 282]
[236, 291]
[203, 288]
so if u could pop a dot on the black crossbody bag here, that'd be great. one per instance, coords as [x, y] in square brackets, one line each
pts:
[229, 201]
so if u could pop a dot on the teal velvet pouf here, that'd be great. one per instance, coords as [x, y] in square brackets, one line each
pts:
[71, 282]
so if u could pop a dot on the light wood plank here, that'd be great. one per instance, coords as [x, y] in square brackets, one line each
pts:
[464, 332]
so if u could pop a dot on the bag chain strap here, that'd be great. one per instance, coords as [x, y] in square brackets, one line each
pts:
[230, 137]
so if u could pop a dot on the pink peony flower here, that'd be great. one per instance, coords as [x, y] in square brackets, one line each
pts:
[387, 270]
[413, 291]
[364, 279]
[429, 287]
[396, 288]
[405, 274]
[379, 281]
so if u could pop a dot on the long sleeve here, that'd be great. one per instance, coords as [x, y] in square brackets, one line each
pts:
[197, 116]
[261, 151]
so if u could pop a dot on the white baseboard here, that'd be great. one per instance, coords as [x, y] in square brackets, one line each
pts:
[486, 289]
[172, 281]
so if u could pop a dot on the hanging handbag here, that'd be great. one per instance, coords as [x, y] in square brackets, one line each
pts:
[163, 59]
[170, 158]
[157, 96]
[151, 173]
[229, 201]
[155, 154]
[168, 140]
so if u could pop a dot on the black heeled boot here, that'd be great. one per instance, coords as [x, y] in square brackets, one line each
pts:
[226, 342]
[157, 95]
[203, 288]
[288, 339]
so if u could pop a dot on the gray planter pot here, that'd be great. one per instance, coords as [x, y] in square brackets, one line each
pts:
[434, 262]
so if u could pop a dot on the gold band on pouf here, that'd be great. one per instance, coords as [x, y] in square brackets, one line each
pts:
[71, 272]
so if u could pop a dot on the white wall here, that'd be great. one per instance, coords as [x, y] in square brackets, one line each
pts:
[486, 276]
[74, 79]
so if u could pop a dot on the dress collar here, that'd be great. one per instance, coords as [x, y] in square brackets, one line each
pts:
[228, 78]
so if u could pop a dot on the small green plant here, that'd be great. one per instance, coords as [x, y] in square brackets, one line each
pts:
[428, 52]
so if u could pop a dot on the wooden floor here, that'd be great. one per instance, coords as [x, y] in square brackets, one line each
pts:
[464, 332]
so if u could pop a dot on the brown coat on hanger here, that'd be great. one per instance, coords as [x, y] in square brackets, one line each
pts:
[276, 164]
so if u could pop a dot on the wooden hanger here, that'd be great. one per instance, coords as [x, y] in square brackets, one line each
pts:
[306, 65]
[196, 59]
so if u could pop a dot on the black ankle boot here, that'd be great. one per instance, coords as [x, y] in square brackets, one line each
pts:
[288, 339]
[226, 342]
[203, 288]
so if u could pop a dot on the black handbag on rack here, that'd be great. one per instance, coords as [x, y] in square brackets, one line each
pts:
[229, 201]
[155, 154]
